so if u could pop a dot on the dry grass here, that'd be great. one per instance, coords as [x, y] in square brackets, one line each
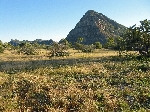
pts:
[13, 56]
[82, 82]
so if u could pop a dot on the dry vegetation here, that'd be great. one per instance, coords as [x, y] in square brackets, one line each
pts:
[43, 55]
[83, 82]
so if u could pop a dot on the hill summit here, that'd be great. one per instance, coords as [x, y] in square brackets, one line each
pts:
[95, 27]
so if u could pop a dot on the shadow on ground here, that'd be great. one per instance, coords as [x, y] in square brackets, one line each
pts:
[17, 66]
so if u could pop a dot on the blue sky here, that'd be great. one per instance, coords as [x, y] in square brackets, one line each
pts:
[53, 19]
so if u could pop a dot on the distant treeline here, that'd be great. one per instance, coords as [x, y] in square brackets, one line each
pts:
[39, 41]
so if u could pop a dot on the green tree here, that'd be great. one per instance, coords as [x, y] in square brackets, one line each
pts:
[138, 38]
[36, 45]
[1, 43]
[88, 48]
[1, 47]
[77, 45]
[8, 46]
[110, 44]
[57, 49]
[98, 45]
[120, 45]
[65, 43]
[27, 48]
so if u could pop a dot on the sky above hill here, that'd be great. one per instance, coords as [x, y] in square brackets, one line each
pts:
[54, 19]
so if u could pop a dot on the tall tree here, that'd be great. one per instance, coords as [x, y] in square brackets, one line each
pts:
[138, 38]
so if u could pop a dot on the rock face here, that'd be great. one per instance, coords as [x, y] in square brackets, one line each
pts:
[95, 27]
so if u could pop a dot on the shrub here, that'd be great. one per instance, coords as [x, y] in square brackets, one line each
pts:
[1, 49]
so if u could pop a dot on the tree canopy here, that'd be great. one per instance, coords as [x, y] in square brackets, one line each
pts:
[138, 37]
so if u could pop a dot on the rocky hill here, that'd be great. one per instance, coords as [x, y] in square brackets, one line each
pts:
[95, 27]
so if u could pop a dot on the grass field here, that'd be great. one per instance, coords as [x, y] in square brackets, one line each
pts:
[13, 56]
[83, 82]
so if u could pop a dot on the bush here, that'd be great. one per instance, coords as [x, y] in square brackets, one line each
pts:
[27, 49]
[1, 49]
[98, 45]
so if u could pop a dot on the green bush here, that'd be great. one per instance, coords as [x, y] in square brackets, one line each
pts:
[1, 49]
[27, 49]
[98, 45]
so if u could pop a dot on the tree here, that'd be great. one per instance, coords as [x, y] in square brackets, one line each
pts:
[8, 46]
[65, 43]
[110, 44]
[36, 45]
[88, 48]
[77, 45]
[27, 48]
[98, 45]
[120, 45]
[1, 47]
[138, 38]
[57, 49]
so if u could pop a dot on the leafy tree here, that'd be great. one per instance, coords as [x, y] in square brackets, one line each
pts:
[27, 48]
[8, 46]
[81, 47]
[138, 38]
[110, 44]
[120, 45]
[36, 45]
[1, 43]
[88, 48]
[1, 49]
[98, 45]
[65, 43]
[57, 49]
[78, 46]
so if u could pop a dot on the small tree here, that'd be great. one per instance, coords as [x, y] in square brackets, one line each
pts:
[1, 47]
[98, 45]
[27, 48]
[78, 46]
[88, 48]
[65, 43]
[120, 45]
[57, 49]
[110, 44]
[8, 46]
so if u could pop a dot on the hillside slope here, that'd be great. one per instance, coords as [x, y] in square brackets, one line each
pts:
[93, 27]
